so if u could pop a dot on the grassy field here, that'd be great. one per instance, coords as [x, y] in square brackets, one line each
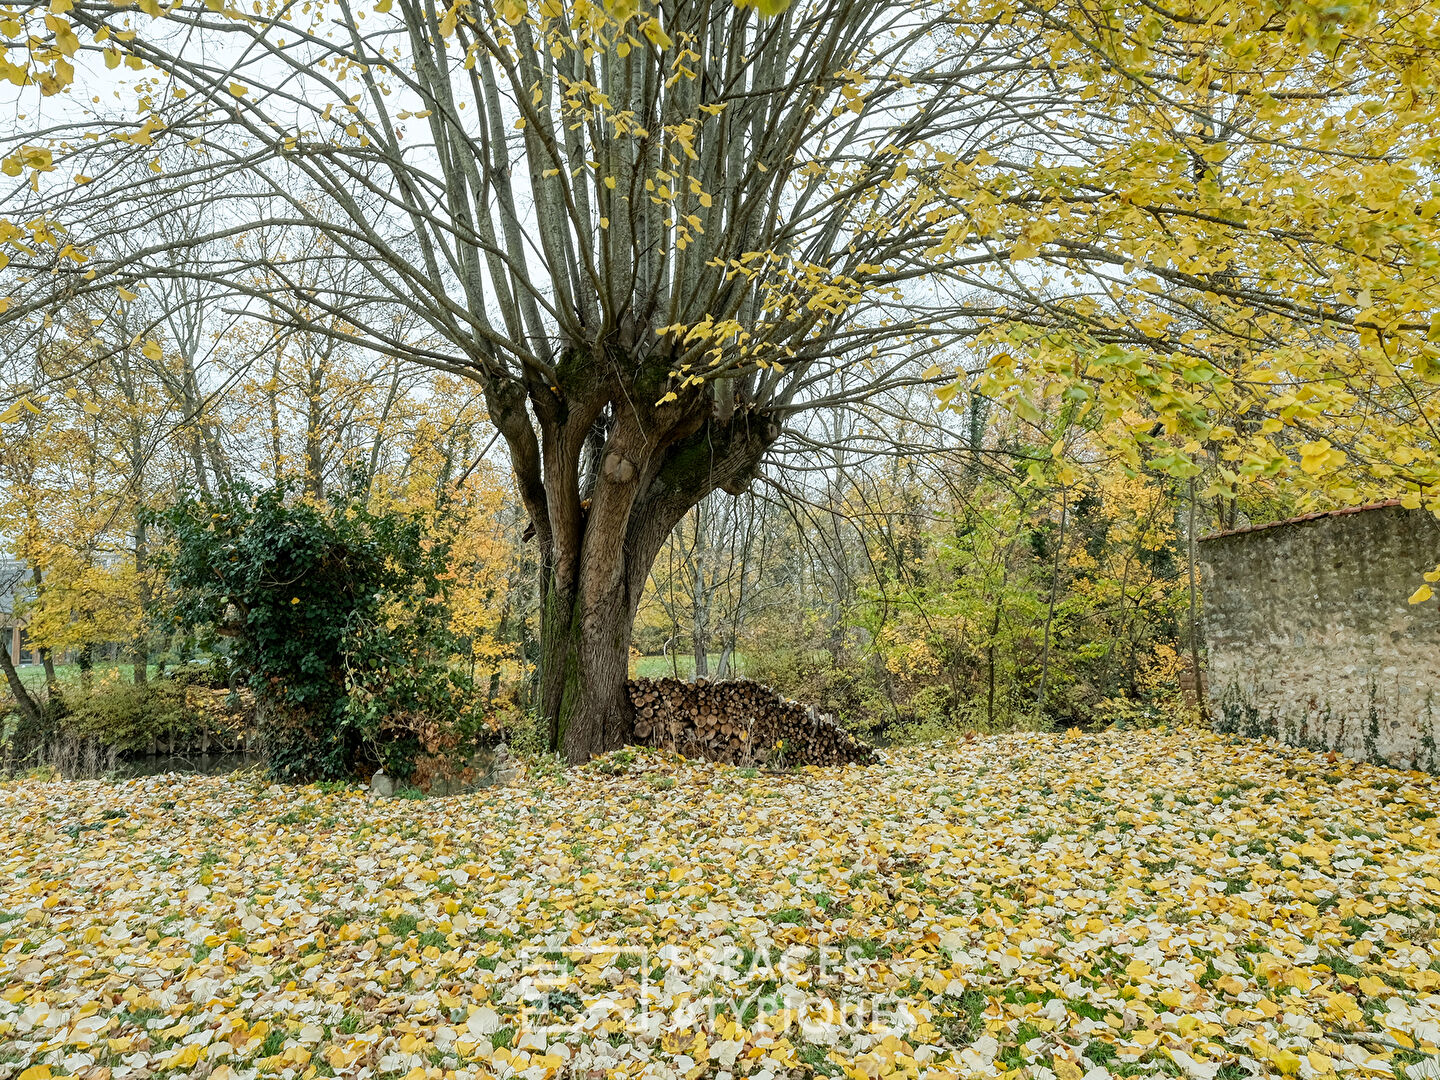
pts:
[655, 667]
[33, 675]
[1029, 907]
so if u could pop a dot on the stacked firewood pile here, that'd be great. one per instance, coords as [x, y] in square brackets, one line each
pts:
[740, 722]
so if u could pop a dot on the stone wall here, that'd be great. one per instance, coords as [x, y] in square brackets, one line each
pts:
[1311, 637]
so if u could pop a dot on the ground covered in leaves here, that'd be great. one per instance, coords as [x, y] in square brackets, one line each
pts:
[1046, 907]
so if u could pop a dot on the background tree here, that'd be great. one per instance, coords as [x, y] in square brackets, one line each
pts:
[80, 474]
[709, 582]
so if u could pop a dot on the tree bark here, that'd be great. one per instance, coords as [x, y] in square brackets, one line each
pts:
[47, 660]
[141, 645]
[29, 707]
[1195, 669]
[585, 662]
[700, 585]
[722, 667]
[586, 626]
[1050, 611]
[701, 639]
[656, 463]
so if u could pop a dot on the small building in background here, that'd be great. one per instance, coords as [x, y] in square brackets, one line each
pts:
[1312, 639]
[14, 590]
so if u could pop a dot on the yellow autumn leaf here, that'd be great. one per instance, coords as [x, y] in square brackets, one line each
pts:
[1286, 1062]
[65, 40]
[185, 1057]
[655, 33]
[768, 8]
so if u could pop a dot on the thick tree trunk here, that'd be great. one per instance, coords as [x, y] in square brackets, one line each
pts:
[605, 472]
[586, 625]
[85, 660]
[585, 662]
[585, 646]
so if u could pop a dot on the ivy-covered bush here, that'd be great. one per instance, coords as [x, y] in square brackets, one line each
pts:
[333, 615]
[420, 710]
[213, 673]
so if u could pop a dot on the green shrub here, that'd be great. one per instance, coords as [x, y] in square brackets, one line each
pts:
[212, 675]
[527, 733]
[127, 716]
[931, 716]
[338, 619]
[815, 677]
[870, 702]
[419, 715]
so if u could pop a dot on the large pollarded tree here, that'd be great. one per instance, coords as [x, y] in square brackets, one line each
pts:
[657, 232]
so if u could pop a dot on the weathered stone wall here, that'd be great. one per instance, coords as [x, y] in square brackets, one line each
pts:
[1311, 637]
